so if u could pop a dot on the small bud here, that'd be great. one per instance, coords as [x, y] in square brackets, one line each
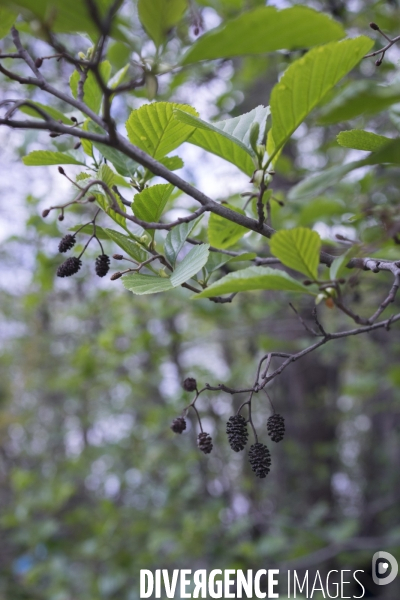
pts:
[77, 145]
[190, 384]
[92, 199]
[257, 178]
[329, 303]
[115, 276]
[151, 83]
[118, 256]
[307, 282]
[61, 217]
[74, 119]
[196, 30]
[38, 62]
[254, 134]
[342, 280]
[61, 171]
[54, 135]
[374, 26]
[45, 213]
[378, 62]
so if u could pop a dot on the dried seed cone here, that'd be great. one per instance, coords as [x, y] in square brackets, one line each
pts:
[102, 265]
[178, 425]
[190, 384]
[204, 442]
[276, 427]
[236, 428]
[66, 243]
[69, 267]
[260, 459]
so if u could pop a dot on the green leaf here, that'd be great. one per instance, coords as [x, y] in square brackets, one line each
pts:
[87, 145]
[176, 238]
[321, 208]
[92, 93]
[159, 16]
[123, 164]
[88, 230]
[103, 202]
[254, 278]
[298, 249]
[65, 16]
[223, 233]
[132, 248]
[316, 184]
[149, 204]
[173, 163]
[118, 78]
[106, 174]
[7, 19]
[46, 157]
[229, 139]
[307, 80]
[148, 284]
[54, 113]
[193, 262]
[218, 259]
[362, 140]
[359, 98]
[266, 29]
[154, 129]
[390, 153]
[338, 267]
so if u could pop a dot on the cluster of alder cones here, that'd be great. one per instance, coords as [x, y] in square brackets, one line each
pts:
[236, 429]
[74, 263]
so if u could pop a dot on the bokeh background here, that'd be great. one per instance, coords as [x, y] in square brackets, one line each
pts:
[94, 485]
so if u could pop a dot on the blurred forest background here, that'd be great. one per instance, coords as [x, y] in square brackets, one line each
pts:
[93, 484]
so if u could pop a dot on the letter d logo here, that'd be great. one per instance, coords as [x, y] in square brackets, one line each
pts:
[380, 568]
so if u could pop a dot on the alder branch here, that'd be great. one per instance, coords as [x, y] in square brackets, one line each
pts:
[118, 142]
[264, 379]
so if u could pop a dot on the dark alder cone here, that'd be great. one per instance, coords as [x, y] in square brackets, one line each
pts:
[276, 427]
[69, 267]
[38, 62]
[66, 243]
[204, 442]
[374, 26]
[102, 265]
[178, 425]
[236, 428]
[45, 213]
[190, 384]
[260, 459]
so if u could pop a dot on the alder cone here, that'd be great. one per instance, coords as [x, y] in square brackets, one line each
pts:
[260, 459]
[204, 442]
[190, 384]
[69, 267]
[66, 243]
[102, 265]
[276, 427]
[178, 425]
[236, 428]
